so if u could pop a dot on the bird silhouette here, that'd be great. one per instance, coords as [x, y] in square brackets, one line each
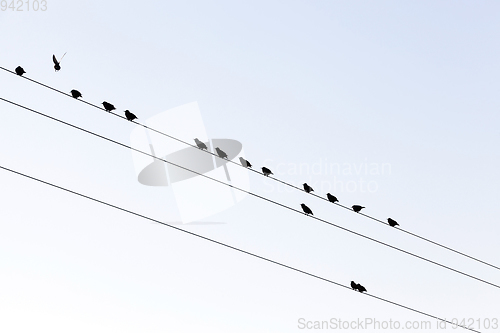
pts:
[20, 71]
[245, 163]
[266, 172]
[57, 64]
[357, 208]
[221, 153]
[392, 223]
[361, 288]
[306, 209]
[200, 144]
[308, 188]
[108, 106]
[332, 198]
[130, 116]
[75, 93]
[354, 285]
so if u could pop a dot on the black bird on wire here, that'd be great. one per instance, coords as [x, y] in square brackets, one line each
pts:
[108, 106]
[266, 172]
[392, 223]
[57, 64]
[245, 163]
[306, 209]
[76, 93]
[200, 144]
[20, 71]
[130, 116]
[357, 208]
[354, 285]
[221, 153]
[308, 188]
[332, 198]
[361, 289]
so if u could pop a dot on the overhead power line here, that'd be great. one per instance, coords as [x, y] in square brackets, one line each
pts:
[255, 171]
[253, 194]
[233, 247]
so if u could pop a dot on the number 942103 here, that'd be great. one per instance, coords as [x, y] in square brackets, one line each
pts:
[21, 6]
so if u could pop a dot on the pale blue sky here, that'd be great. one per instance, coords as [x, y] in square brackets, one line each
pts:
[413, 85]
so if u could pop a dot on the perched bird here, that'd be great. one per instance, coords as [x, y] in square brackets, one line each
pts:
[357, 208]
[76, 93]
[361, 288]
[308, 188]
[108, 106]
[306, 209]
[200, 144]
[57, 64]
[392, 223]
[221, 153]
[354, 285]
[266, 172]
[245, 163]
[130, 116]
[20, 71]
[332, 198]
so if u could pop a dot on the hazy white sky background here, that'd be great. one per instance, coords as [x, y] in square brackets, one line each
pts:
[412, 86]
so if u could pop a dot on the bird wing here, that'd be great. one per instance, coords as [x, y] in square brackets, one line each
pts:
[54, 59]
[62, 57]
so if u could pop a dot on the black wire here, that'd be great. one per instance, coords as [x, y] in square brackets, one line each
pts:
[230, 246]
[275, 179]
[253, 194]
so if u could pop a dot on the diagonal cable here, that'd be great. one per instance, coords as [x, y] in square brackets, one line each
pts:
[275, 179]
[255, 195]
[233, 247]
